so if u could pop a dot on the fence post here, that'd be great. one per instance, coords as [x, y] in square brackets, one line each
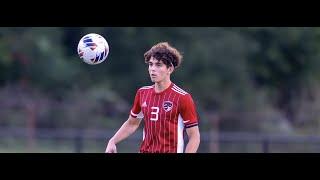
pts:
[265, 145]
[214, 134]
[31, 125]
[78, 141]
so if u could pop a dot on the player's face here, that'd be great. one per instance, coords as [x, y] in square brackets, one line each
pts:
[158, 71]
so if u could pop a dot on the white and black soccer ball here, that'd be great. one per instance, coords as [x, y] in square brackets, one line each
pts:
[93, 49]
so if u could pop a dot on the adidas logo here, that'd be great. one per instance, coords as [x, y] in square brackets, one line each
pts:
[144, 104]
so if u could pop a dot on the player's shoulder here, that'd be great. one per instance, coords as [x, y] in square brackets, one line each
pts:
[143, 88]
[179, 90]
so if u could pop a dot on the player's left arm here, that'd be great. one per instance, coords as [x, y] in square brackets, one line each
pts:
[190, 120]
[194, 139]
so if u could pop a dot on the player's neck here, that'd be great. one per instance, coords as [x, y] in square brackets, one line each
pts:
[161, 86]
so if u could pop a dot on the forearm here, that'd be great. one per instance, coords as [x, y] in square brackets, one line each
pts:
[125, 130]
[192, 145]
[194, 139]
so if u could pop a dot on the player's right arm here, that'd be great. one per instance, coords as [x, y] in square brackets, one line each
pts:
[128, 127]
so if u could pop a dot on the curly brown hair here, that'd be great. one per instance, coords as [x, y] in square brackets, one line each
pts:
[164, 52]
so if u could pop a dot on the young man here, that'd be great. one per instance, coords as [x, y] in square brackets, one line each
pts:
[166, 109]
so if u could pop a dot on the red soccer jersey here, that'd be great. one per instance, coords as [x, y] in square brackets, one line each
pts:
[165, 115]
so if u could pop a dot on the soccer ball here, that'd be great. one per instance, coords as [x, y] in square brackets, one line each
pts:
[93, 49]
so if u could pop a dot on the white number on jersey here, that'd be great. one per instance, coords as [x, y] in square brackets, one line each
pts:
[155, 111]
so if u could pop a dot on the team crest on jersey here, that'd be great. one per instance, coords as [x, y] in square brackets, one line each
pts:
[167, 105]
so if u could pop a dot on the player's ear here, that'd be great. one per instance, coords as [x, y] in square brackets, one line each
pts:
[171, 68]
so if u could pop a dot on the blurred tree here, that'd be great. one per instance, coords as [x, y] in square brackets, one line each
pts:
[284, 63]
[251, 78]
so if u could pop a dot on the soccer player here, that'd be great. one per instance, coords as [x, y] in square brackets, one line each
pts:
[166, 109]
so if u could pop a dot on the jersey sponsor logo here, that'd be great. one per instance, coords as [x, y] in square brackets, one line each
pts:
[167, 105]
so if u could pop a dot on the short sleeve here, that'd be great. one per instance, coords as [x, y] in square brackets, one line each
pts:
[188, 111]
[136, 108]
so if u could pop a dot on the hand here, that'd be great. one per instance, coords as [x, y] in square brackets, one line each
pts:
[111, 147]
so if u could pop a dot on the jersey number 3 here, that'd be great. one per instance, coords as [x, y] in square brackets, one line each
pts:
[154, 113]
